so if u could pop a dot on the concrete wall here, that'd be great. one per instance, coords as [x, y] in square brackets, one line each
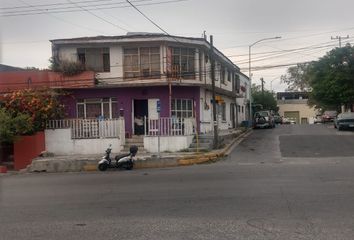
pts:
[59, 142]
[170, 143]
[27, 148]
[304, 110]
[206, 112]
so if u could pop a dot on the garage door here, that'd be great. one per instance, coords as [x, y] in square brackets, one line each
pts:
[294, 115]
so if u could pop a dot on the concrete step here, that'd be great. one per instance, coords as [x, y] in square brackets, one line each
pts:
[126, 149]
[134, 140]
[201, 145]
[203, 140]
[191, 149]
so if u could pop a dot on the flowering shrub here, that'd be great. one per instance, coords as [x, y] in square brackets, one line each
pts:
[40, 105]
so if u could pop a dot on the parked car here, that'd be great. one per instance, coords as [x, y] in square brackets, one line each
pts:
[344, 121]
[329, 116]
[318, 119]
[289, 121]
[263, 119]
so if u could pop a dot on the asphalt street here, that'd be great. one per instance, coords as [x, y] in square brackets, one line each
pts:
[291, 182]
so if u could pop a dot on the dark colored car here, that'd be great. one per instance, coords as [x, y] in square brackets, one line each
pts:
[278, 119]
[263, 119]
[329, 116]
[344, 121]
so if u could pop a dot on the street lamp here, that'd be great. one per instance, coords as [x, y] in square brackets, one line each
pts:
[250, 74]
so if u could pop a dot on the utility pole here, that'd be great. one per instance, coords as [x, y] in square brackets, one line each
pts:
[215, 123]
[262, 81]
[339, 38]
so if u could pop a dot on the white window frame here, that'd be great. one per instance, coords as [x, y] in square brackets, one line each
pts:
[101, 101]
[189, 113]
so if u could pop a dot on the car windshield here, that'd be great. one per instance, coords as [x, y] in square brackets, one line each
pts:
[330, 113]
[262, 114]
[346, 115]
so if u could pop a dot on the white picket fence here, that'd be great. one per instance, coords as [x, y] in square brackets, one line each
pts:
[166, 126]
[90, 128]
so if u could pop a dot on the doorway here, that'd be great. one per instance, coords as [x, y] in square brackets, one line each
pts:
[141, 110]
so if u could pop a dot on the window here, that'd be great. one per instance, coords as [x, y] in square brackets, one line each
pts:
[183, 60]
[182, 108]
[96, 59]
[238, 108]
[97, 107]
[228, 76]
[222, 74]
[142, 62]
[243, 109]
[238, 83]
[223, 111]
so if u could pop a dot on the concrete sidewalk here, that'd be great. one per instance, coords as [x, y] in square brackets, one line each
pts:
[76, 163]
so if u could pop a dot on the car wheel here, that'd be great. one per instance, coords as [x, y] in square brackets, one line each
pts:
[340, 128]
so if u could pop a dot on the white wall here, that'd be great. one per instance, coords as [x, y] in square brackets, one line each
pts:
[206, 114]
[170, 143]
[59, 142]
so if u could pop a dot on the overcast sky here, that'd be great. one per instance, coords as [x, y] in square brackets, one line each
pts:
[306, 25]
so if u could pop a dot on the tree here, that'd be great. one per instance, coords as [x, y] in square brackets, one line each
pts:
[266, 98]
[40, 105]
[11, 127]
[297, 77]
[332, 78]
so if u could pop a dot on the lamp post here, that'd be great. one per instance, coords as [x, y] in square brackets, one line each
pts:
[250, 74]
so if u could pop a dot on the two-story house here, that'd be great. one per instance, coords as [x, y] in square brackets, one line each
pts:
[147, 76]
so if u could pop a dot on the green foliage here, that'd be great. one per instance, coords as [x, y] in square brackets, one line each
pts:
[67, 68]
[11, 127]
[266, 99]
[41, 105]
[332, 78]
[297, 78]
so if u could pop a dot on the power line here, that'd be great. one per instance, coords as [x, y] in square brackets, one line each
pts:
[93, 14]
[90, 8]
[61, 19]
[137, 9]
[284, 54]
[53, 4]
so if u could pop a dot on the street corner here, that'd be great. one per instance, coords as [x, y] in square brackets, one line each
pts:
[199, 159]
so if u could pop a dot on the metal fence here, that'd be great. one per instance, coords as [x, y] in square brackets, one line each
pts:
[89, 128]
[166, 126]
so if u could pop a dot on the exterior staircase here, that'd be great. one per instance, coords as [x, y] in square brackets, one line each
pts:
[205, 144]
[134, 140]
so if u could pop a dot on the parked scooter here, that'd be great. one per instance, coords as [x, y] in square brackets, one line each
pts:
[123, 161]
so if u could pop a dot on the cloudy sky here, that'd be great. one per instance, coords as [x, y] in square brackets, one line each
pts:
[306, 28]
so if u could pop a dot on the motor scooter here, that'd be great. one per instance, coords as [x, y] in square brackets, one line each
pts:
[122, 161]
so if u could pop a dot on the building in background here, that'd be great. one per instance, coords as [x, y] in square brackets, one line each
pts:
[294, 106]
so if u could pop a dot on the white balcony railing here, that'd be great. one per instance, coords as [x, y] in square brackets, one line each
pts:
[89, 128]
[166, 126]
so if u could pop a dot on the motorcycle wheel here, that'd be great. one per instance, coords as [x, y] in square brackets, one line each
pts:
[129, 166]
[102, 166]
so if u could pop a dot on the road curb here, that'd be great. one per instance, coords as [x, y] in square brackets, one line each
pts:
[217, 155]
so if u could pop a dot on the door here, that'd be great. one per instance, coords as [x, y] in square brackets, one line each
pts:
[141, 111]
[152, 103]
[232, 115]
[293, 115]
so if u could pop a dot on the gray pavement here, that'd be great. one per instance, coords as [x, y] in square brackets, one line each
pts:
[261, 191]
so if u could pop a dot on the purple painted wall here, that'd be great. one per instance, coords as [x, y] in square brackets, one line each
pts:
[125, 98]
